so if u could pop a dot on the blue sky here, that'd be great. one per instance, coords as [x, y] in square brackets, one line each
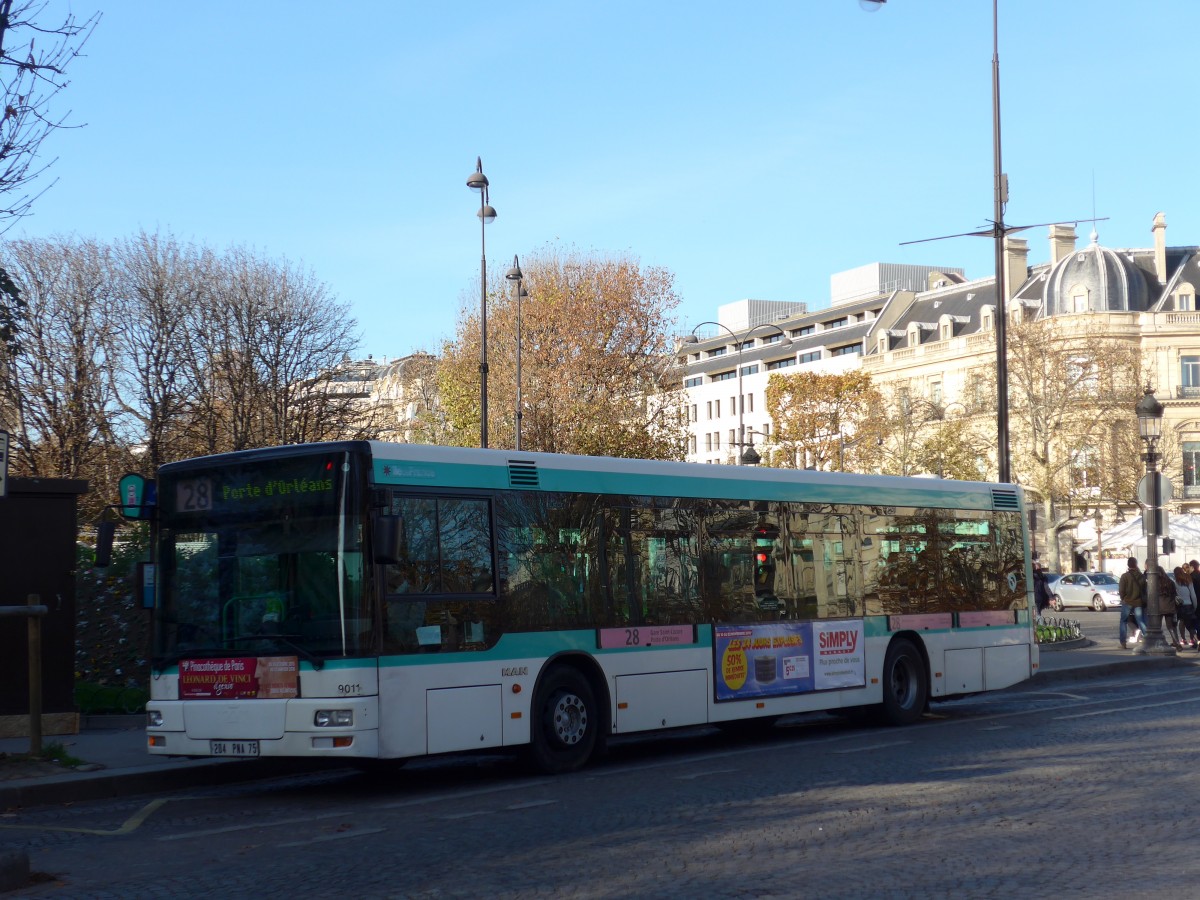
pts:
[751, 149]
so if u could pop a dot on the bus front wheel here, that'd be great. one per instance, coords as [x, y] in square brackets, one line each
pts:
[566, 723]
[905, 684]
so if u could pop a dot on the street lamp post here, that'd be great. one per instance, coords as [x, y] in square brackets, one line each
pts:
[747, 456]
[997, 232]
[1149, 414]
[477, 181]
[514, 275]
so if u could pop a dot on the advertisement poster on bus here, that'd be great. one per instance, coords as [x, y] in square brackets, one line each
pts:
[239, 678]
[780, 658]
[839, 654]
[767, 660]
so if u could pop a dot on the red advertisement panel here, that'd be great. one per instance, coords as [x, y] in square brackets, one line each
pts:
[239, 678]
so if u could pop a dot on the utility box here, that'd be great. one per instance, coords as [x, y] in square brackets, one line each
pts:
[37, 556]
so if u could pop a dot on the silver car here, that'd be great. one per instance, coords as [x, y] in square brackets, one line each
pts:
[1095, 589]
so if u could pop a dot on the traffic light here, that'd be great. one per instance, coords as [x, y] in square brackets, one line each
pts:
[764, 572]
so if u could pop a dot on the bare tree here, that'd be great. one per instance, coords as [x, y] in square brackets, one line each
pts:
[62, 380]
[157, 282]
[269, 343]
[33, 63]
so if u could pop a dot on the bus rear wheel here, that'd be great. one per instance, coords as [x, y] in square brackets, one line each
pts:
[905, 684]
[566, 723]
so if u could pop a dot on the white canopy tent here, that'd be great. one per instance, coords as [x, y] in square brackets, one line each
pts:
[1130, 540]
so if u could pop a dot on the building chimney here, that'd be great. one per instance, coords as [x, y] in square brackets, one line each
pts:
[1062, 242]
[1159, 229]
[1016, 265]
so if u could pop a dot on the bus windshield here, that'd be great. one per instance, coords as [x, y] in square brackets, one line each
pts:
[263, 556]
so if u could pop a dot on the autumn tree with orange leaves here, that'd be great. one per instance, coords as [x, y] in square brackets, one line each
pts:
[597, 360]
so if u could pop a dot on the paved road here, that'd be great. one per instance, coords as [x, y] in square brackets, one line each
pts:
[1031, 792]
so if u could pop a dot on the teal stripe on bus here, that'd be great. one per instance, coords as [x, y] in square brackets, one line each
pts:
[702, 484]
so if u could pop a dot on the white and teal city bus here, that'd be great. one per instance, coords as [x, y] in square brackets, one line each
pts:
[365, 600]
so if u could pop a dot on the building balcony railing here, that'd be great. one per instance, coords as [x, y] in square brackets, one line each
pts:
[1188, 391]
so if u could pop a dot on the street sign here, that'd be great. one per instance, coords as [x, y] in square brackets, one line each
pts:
[1156, 521]
[1166, 490]
[3, 463]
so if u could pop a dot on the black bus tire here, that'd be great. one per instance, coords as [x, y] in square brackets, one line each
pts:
[566, 723]
[905, 684]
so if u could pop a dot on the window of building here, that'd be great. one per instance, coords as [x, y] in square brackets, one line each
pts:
[708, 442]
[1191, 468]
[691, 443]
[1082, 371]
[750, 370]
[1189, 375]
[1085, 468]
[1079, 299]
[708, 406]
[744, 345]
[812, 356]
[725, 376]
[694, 381]
[834, 323]
[766, 429]
[772, 339]
[750, 402]
[847, 350]
[717, 407]
[694, 417]
[935, 391]
[718, 351]
[781, 363]
[732, 438]
[716, 440]
[802, 330]
[1185, 297]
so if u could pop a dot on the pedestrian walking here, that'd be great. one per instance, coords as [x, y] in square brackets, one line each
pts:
[1132, 589]
[1185, 596]
[1041, 588]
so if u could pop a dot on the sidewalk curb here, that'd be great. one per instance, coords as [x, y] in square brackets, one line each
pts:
[1131, 666]
[79, 787]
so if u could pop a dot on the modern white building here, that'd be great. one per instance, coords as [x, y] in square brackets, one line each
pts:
[726, 364]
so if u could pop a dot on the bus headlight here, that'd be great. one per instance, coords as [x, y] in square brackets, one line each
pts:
[333, 718]
[154, 718]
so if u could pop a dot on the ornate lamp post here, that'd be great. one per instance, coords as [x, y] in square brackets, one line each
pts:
[514, 275]
[1150, 414]
[747, 455]
[487, 215]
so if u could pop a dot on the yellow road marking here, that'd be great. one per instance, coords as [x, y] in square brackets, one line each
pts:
[130, 825]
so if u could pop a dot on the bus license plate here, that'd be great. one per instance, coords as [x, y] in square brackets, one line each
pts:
[233, 748]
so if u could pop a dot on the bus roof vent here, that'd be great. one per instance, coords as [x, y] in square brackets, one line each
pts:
[522, 473]
[1004, 499]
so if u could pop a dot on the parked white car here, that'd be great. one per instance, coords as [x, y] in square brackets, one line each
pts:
[1095, 589]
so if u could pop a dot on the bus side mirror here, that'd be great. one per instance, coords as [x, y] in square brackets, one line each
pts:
[389, 540]
[105, 532]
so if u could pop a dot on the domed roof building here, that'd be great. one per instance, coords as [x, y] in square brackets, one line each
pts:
[1095, 279]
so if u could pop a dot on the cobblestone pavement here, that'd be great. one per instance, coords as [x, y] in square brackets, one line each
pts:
[1030, 793]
